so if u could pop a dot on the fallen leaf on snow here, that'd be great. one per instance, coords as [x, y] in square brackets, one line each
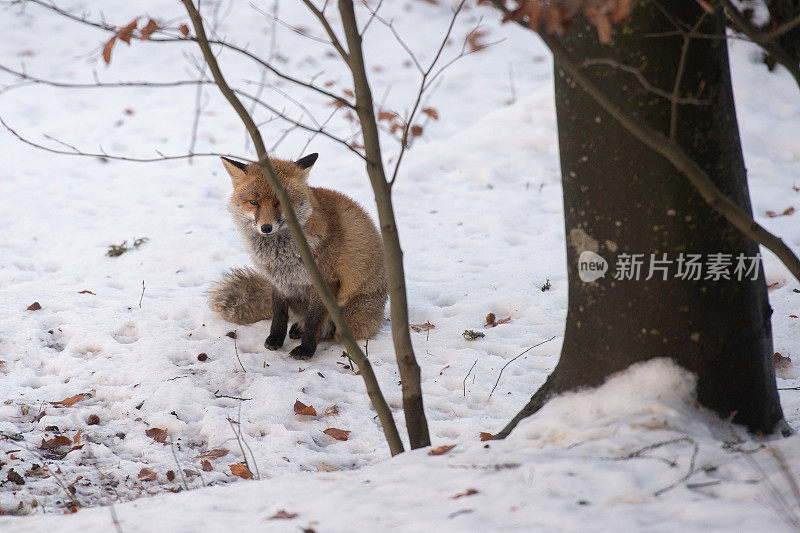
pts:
[486, 436]
[77, 438]
[781, 361]
[441, 450]
[338, 434]
[282, 515]
[205, 466]
[302, 409]
[427, 326]
[241, 470]
[216, 453]
[55, 442]
[157, 434]
[468, 492]
[86, 292]
[332, 410]
[72, 400]
[35, 306]
[492, 322]
[145, 474]
[786, 212]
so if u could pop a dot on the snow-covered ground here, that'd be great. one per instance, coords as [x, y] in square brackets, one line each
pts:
[479, 208]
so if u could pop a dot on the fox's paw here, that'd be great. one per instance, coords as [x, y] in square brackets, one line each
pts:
[303, 352]
[296, 331]
[273, 342]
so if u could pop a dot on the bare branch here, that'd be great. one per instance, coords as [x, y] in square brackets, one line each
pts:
[413, 408]
[637, 73]
[319, 283]
[671, 151]
[328, 29]
[155, 39]
[673, 117]
[763, 40]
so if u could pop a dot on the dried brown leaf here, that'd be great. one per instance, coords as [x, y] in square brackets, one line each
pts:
[184, 29]
[145, 474]
[386, 115]
[126, 32]
[86, 292]
[431, 112]
[302, 409]
[35, 306]
[77, 438]
[781, 361]
[416, 130]
[468, 492]
[486, 435]
[241, 470]
[55, 442]
[72, 400]
[427, 326]
[338, 434]
[157, 434]
[441, 450]
[283, 515]
[148, 30]
[170, 475]
[205, 466]
[107, 49]
[216, 453]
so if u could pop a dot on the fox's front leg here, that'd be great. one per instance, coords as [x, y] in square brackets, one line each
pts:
[315, 316]
[280, 321]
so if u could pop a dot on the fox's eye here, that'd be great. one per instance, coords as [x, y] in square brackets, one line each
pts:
[253, 202]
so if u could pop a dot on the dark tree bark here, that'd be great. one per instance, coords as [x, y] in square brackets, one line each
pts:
[620, 197]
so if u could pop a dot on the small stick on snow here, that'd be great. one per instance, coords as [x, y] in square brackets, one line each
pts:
[465, 377]
[517, 357]
[180, 470]
[142, 296]
[236, 350]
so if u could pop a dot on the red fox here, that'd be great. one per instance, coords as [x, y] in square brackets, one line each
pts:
[346, 245]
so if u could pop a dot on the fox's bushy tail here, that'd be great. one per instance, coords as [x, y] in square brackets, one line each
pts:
[242, 296]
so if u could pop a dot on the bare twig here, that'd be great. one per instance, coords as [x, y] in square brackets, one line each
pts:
[328, 29]
[514, 359]
[180, 470]
[236, 350]
[673, 116]
[142, 296]
[670, 150]
[637, 73]
[764, 40]
[464, 383]
[156, 39]
[373, 389]
[413, 408]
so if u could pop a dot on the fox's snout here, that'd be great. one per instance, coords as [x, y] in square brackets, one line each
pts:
[265, 229]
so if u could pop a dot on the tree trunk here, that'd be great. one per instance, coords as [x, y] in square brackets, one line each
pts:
[620, 197]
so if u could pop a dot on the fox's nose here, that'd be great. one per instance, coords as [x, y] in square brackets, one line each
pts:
[266, 228]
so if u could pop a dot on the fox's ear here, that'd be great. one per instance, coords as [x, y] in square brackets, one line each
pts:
[305, 163]
[236, 170]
